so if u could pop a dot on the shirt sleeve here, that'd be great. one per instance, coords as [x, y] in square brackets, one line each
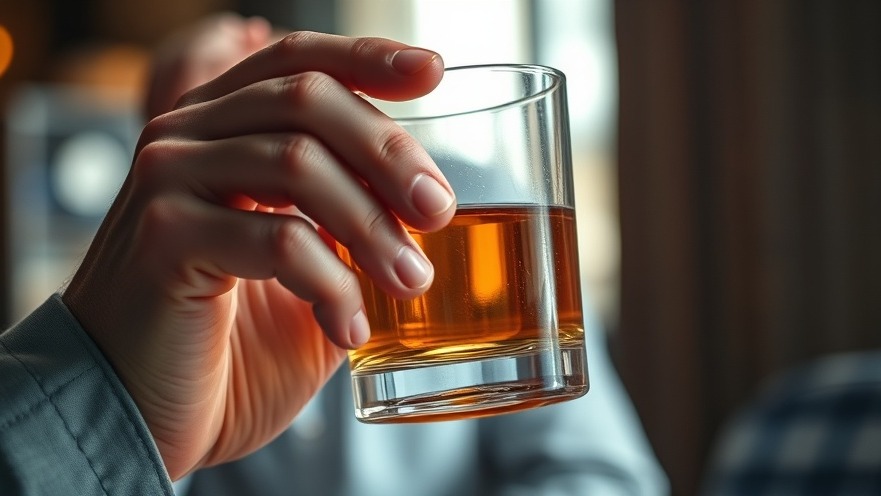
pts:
[67, 424]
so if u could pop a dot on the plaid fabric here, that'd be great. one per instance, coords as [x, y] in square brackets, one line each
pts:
[815, 431]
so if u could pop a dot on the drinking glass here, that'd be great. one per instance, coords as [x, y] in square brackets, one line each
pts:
[501, 327]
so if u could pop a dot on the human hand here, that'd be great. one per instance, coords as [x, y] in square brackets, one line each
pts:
[198, 54]
[220, 306]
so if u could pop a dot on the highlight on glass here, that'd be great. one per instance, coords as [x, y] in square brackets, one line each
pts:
[501, 328]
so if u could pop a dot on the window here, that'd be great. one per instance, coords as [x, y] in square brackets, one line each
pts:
[574, 36]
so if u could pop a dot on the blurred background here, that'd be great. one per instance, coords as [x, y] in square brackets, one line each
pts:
[727, 160]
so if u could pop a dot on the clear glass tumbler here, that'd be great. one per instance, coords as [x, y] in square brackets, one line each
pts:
[501, 327]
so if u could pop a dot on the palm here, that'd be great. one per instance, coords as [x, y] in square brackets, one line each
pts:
[277, 351]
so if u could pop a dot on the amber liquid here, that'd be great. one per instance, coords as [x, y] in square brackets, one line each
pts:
[506, 282]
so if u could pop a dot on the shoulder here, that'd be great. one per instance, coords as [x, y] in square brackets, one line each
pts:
[813, 430]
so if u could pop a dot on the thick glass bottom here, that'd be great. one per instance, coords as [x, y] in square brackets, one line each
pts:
[466, 389]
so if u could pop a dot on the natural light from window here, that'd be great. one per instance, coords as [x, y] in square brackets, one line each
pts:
[574, 36]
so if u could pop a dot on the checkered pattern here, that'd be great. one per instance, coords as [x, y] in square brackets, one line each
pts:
[816, 431]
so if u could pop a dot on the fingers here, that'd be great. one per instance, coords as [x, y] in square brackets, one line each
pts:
[285, 247]
[297, 169]
[372, 146]
[381, 68]
[283, 128]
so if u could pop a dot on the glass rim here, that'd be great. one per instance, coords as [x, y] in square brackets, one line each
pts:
[556, 76]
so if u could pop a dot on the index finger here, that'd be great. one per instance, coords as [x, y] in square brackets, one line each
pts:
[381, 68]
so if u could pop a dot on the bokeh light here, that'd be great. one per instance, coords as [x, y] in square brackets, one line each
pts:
[5, 49]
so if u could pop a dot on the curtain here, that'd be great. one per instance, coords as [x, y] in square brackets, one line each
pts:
[749, 161]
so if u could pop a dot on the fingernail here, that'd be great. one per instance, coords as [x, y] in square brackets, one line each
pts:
[412, 268]
[359, 330]
[429, 197]
[409, 61]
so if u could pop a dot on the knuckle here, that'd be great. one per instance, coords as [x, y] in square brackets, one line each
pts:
[337, 287]
[298, 153]
[293, 43]
[345, 284]
[377, 223]
[305, 88]
[150, 155]
[291, 235]
[364, 47]
[376, 220]
[190, 97]
[155, 129]
[151, 164]
[395, 145]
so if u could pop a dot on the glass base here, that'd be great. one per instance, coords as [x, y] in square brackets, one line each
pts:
[469, 389]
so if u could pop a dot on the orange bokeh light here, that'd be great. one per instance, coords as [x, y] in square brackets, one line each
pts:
[5, 49]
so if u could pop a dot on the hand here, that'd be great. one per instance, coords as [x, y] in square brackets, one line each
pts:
[200, 53]
[219, 304]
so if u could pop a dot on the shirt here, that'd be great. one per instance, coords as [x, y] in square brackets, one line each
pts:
[67, 424]
[815, 430]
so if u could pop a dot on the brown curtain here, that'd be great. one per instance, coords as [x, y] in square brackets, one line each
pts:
[750, 201]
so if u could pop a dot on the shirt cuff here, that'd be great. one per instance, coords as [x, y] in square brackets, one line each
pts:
[67, 424]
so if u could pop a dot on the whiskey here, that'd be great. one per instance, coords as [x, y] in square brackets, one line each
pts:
[506, 283]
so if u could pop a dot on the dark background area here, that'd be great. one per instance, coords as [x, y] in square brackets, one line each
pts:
[749, 166]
